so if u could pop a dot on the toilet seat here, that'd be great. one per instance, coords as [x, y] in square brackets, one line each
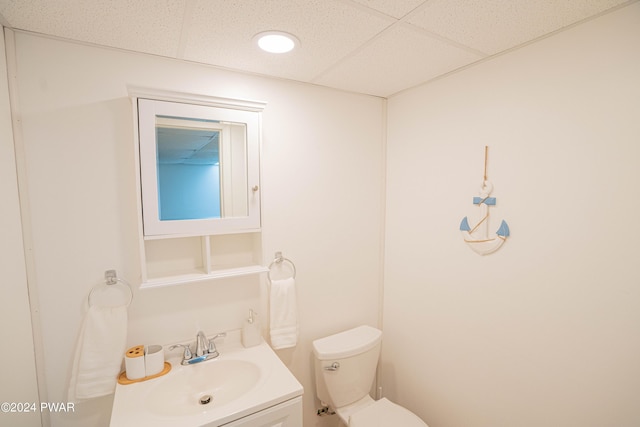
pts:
[384, 413]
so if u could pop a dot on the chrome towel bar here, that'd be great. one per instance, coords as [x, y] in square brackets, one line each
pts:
[279, 259]
[111, 279]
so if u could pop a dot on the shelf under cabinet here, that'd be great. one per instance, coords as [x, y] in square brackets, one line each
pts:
[193, 259]
[194, 277]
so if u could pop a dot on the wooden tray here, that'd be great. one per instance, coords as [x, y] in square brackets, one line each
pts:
[122, 378]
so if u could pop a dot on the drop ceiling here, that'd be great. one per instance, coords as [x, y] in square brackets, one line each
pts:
[376, 47]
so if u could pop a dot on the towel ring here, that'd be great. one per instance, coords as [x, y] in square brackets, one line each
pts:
[111, 279]
[279, 259]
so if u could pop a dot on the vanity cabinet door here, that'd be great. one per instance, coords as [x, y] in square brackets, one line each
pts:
[287, 414]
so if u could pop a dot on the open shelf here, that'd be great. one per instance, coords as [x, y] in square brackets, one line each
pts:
[183, 260]
[200, 277]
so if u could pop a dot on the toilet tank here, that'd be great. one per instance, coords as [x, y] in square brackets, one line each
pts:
[345, 365]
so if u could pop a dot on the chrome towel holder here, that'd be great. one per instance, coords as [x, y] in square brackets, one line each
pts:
[279, 259]
[111, 279]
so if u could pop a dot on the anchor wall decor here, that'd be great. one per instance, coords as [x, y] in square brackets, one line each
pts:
[478, 237]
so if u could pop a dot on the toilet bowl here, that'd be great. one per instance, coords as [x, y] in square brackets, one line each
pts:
[345, 367]
[384, 413]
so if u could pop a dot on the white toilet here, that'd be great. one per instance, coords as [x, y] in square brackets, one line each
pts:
[345, 365]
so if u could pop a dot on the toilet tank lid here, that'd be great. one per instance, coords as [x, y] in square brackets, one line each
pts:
[348, 343]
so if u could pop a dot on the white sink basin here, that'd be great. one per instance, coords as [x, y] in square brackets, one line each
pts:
[202, 387]
[240, 382]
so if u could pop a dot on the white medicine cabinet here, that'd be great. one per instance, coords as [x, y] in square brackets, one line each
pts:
[198, 161]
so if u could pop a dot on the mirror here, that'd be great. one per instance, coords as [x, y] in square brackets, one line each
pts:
[198, 168]
[193, 182]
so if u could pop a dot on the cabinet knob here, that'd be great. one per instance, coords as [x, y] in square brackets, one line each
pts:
[254, 188]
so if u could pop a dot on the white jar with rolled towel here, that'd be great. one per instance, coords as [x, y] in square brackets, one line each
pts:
[134, 363]
[153, 359]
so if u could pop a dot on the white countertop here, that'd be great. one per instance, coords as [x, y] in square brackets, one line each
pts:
[131, 406]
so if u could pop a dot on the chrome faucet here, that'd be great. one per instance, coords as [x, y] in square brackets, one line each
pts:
[202, 344]
[205, 349]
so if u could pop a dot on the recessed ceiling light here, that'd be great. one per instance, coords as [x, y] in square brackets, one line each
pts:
[276, 41]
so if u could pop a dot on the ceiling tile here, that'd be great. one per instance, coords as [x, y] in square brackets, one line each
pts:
[221, 33]
[400, 58]
[356, 45]
[492, 26]
[395, 8]
[141, 25]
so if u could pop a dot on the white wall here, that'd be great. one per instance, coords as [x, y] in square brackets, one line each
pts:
[546, 331]
[322, 179]
[17, 360]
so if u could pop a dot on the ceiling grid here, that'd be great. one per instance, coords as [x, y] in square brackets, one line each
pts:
[375, 47]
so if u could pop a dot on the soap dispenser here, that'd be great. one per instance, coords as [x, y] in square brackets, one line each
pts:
[251, 331]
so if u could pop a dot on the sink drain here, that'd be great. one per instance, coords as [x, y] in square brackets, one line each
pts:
[206, 399]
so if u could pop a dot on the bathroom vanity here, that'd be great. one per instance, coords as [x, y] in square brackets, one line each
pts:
[248, 387]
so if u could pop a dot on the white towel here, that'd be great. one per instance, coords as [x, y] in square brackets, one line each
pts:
[284, 314]
[99, 352]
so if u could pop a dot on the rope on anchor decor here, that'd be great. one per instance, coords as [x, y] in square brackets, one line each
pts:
[477, 237]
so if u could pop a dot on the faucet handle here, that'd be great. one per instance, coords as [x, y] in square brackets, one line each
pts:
[187, 351]
[212, 345]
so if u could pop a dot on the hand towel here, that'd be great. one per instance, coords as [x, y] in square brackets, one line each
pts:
[284, 314]
[99, 353]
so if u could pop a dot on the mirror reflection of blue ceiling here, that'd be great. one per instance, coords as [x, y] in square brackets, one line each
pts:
[188, 146]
